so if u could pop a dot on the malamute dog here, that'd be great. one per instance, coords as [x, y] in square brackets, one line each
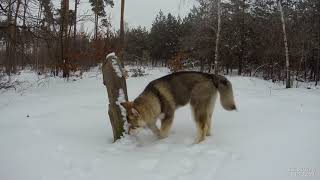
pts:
[163, 96]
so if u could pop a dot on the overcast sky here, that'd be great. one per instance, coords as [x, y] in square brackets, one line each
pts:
[137, 12]
[143, 12]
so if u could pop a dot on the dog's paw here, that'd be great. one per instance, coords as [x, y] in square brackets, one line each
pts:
[163, 135]
[198, 140]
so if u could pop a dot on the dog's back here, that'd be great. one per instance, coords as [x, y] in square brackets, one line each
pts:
[180, 86]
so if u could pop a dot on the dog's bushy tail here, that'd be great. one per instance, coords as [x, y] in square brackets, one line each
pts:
[226, 93]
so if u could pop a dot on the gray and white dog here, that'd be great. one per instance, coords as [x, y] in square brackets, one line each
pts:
[163, 96]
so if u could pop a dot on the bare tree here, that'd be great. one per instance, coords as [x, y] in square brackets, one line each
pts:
[288, 83]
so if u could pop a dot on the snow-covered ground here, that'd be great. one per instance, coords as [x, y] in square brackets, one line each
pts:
[60, 130]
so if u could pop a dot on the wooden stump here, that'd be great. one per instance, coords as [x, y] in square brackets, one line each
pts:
[115, 83]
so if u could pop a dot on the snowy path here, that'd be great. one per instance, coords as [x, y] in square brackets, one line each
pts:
[67, 136]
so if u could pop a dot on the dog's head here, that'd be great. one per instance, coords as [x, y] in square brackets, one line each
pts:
[134, 118]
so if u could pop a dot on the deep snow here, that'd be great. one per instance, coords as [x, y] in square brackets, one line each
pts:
[60, 130]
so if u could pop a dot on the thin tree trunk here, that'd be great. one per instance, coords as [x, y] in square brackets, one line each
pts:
[65, 39]
[122, 33]
[14, 39]
[318, 58]
[76, 2]
[61, 39]
[11, 46]
[242, 41]
[69, 32]
[122, 23]
[9, 15]
[216, 58]
[318, 64]
[305, 71]
[96, 24]
[24, 13]
[8, 42]
[24, 32]
[300, 64]
[288, 80]
[36, 43]
[17, 11]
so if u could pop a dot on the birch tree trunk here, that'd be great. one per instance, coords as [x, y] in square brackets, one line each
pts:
[115, 83]
[216, 57]
[288, 80]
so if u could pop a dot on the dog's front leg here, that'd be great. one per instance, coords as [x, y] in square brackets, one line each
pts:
[154, 129]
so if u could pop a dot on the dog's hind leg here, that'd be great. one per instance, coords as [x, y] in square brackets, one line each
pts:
[201, 119]
[210, 109]
[201, 104]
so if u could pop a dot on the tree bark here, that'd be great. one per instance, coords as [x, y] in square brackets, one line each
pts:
[36, 43]
[288, 80]
[14, 36]
[24, 31]
[318, 63]
[96, 24]
[24, 13]
[8, 42]
[76, 2]
[115, 83]
[122, 33]
[242, 40]
[64, 38]
[12, 40]
[122, 23]
[216, 58]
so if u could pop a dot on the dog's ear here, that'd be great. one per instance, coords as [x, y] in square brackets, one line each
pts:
[135, 112]
[127, 105]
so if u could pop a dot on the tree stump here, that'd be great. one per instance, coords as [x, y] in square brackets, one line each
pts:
[115, 83]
